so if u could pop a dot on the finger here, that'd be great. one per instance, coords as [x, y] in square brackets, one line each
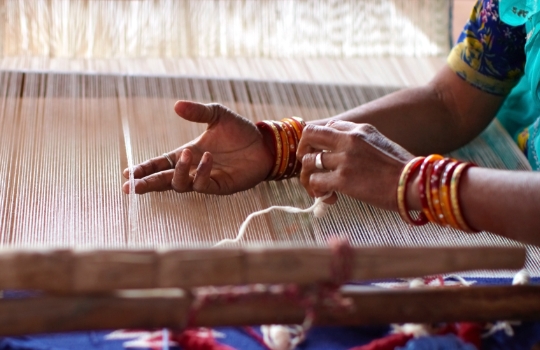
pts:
[156, 182]
[315, 137]
[203, 182]
[323, 183]
[341, 125]
[308, 168]
[182, 180]
[150, 166]
[196, 112]
[329, 160]
[330, 200]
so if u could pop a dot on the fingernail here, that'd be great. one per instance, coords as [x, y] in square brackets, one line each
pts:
[184, 157]
[204, 158]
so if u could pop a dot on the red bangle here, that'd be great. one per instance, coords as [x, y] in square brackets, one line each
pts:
[424, 187]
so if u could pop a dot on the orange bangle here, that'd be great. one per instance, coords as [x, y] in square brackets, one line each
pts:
[446, 205]
[424, 187]
[284, 149]
[297, 127]
[409, 168]
[293, 144]
[454, 196]
[435, 187]
[299, 121]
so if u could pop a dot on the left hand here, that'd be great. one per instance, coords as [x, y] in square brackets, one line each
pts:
[359, 162]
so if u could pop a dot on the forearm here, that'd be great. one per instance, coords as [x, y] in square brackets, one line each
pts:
[436, 118]
[504, 202]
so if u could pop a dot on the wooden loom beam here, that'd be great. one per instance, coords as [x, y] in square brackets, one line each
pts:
[66, 271]
[171, 309]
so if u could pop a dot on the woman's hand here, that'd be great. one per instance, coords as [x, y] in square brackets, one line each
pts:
[230, 156]
[358, 161]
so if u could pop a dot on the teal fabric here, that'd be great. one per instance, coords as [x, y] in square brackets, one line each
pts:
[520, 113]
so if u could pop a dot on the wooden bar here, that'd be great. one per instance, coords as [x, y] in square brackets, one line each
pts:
[67, 271]
[142, 309]
[71, 313]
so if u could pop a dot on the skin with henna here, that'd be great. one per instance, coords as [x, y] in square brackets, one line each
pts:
[366, 150]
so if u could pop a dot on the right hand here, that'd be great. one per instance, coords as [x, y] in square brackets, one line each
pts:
[230, 156]
[360, 162]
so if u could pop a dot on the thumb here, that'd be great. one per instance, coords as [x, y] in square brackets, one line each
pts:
[196, 112]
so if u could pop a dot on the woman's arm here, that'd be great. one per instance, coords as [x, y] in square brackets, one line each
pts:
[363, 164]
[437, 118]
[499, 201]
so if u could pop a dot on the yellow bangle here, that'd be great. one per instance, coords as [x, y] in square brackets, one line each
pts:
[409, 168]
[454, 194]
[446, 205]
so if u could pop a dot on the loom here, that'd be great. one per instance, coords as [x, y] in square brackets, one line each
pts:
[87, 89]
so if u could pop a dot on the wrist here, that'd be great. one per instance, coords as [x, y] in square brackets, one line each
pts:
[282, 139]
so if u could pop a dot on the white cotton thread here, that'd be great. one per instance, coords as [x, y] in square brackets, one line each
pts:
[293, 210]
[417, 283]
[506, 326]
[521, 278]
[279, 337]
[461, 280]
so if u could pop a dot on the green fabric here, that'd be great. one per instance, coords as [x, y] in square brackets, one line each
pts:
[521, 109]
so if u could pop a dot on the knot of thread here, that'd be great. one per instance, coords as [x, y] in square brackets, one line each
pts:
[342, 260]
[329, 294]
[326, 294]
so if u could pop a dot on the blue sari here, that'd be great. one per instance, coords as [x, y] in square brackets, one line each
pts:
[499, 52]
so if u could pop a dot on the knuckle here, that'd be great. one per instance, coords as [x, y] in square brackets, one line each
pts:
[141, 186]
[177, 187]
[200, 186]
[367, 128]
[310, 129]
[343, 176]
[218, 109]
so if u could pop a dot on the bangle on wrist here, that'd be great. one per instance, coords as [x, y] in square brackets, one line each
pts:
[438, 189]
[454, 197]
[285, 136]
[424, 187]
[404, 179]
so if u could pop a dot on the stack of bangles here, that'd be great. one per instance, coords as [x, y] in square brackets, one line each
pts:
[439, 191]
[286, 135]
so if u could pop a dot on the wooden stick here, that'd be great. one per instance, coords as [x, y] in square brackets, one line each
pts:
[105, 270]
[445, 304]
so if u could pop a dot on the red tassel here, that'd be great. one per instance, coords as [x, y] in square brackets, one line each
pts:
[389, 342]
[470, 333]
[191, 339]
